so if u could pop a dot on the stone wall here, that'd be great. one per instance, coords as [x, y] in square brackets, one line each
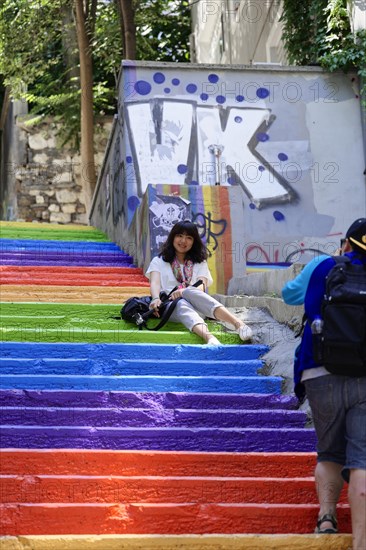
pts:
[48, 180]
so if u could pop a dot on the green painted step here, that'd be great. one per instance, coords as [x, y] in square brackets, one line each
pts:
[44, 322]
[44, 233]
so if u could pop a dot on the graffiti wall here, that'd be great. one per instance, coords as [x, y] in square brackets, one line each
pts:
[289, 140]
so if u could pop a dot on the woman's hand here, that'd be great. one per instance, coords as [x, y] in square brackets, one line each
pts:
[155, 304]
[176, 294]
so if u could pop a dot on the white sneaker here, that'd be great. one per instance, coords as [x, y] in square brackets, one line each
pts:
[245, 332]
[213, 341]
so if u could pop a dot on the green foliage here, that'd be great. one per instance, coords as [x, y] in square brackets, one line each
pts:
[163, 29]
[318, 31]
[304, 29]
[39, 56]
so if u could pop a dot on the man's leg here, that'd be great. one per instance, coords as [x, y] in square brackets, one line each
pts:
[329, 483]
[357, 500]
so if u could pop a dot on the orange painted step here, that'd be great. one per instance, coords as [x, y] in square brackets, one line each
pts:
[155, 463]
[141, 518]
[152, 489]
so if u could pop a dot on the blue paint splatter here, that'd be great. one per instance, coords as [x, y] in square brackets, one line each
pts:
[232, 180]
[129, 160]
[213, 78]
[278, 216]
[252, 206]
[133, 202]
[159, 78]
[262, 136]
[238, 119]
[239, 98]
[261, 168]
[175, 81]
[193, 182]
[182, 168]
[282, 156]
[167, 90]
[142, 87]
[191, 88]
[204, 97]
[262, 93]
[220, 99]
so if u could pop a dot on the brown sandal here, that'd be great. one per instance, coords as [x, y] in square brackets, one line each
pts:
[330, 530]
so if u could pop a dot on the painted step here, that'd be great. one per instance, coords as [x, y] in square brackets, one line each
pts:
[34, 233]
[66, 258]
[41, 245]
[158, 401]
[180, 542]
[210, 384]
[110, 330]
[47, 226]
[68, 270]
[160, 439]
[114, 366]
[145, 418]
[80, 280]
[66, 462]
[103, 351]
[141, 518]
[158, 489]
[70, 294]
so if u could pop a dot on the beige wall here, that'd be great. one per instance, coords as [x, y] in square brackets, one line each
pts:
[237, 32]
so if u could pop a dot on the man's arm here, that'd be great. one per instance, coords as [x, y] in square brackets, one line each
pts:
[293, 293]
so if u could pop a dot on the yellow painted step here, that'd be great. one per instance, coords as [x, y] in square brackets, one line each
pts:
[69, 294]
[182, 542]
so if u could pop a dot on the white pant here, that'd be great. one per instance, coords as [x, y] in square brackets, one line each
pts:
[193, 307]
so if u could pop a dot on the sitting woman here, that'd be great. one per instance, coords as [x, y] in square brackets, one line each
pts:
[182, 262]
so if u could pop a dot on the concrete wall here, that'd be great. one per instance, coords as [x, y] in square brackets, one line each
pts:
[289, 139]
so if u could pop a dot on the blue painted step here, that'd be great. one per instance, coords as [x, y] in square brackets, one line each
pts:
[132, 351]
[138, 367]
[217, 384]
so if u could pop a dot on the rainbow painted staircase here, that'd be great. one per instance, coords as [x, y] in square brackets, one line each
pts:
[117, 438]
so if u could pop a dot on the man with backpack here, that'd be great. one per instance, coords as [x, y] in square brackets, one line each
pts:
[330, 369]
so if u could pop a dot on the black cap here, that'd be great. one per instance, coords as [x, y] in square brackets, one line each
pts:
[356, 234]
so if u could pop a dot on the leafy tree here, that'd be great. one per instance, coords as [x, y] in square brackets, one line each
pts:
[63, 56]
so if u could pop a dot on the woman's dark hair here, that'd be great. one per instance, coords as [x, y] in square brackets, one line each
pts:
[198, 252]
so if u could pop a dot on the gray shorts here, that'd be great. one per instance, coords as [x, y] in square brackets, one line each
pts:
[338, 405]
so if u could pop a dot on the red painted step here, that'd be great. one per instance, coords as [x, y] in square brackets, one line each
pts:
[72, 276]
[142, 518]
[155, 463]
[151, 489]
[97, 492]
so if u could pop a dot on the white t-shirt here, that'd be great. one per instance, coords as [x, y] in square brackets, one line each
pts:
[167, 279]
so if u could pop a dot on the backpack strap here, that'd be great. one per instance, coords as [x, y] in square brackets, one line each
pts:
[164, 318]
[171, 305]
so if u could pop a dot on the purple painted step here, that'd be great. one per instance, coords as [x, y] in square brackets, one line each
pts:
[114, 262]
[152, 417]
[62, 254]
[163, 439]
[100, 399]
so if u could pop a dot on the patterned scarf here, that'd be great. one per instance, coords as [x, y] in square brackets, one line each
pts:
[187, 270]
